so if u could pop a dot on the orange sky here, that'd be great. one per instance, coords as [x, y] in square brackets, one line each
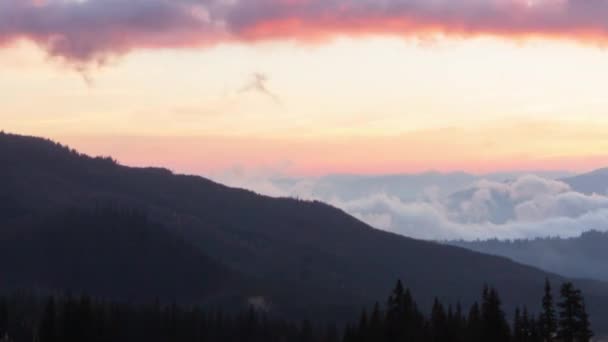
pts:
[360, 104]
[531, 146]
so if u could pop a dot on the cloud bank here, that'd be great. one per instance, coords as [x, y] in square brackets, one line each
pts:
[85, 31]
[527, 206]
[92, 30]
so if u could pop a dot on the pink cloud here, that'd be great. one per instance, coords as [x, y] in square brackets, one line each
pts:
[90, 30]
[85, 31]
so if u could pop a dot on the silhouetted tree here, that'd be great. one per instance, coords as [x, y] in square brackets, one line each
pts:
[363, 329]
[376, 324]
[495, 326]
[349, 334]
[584, 333]
[573, 319]
[535, 335]
[395, 314]
[331, 334]
[48, 324]
[3, 317]
[77, 319]
[474, 324]
[518, 333]
[547, 320]
[306, 332]
[439, 322]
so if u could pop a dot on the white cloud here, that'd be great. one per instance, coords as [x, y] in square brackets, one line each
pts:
[531, 186]
[526, 207]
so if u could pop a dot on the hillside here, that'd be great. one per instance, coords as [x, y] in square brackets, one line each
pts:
[312, 260]
[109, 253]
[580, 257]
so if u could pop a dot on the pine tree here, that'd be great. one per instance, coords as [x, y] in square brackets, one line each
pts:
[331, 334]
[571, 308]
[3, 317]
[495, 326]
[306, 332]
[547, 319]
[474, 324]
[414, 320]
[535, 335]
[457, 324]
[48, 326]
[363, 330]
[349, 334]
[439, 322]
[395, 314]
[395, 300]
[518, 331]
[584, 333]
[376, 324]
[525, 325]
[567, 313]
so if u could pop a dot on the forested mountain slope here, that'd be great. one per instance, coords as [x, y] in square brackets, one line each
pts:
[580, 257]
[309, 259]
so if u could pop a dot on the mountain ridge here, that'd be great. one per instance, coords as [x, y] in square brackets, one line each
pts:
[314, 260]
[578, 257]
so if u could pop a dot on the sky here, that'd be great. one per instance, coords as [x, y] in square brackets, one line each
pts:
[312, 87]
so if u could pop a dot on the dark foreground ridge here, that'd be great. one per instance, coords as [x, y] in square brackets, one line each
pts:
[199, 242]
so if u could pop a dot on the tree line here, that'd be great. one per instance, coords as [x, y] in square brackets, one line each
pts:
[485, 320]
[83, 319]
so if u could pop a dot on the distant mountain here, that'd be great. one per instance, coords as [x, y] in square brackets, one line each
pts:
[595, 182]
[306, 259]
[403, 186]
[406, 187]
[581, 257]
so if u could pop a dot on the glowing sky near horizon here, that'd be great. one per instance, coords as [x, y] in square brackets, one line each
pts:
[346, 103]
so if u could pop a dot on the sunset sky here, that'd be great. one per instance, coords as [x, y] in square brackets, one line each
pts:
[311, 87]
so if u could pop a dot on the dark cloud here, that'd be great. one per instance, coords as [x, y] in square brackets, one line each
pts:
[91, 30]
[85, 31]
[257, 84]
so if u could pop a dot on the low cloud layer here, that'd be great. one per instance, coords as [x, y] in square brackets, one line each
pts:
[527, 206]
[85, 31]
